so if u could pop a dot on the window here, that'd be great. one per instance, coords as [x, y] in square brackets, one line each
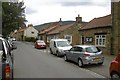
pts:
[79, 49]
[69, 38]
[32, 32]
[82, 40]
[100, 40]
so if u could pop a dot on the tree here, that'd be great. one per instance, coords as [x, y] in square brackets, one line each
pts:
[13, 16]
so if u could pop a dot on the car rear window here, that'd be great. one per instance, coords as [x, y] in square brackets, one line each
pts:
[92, 49]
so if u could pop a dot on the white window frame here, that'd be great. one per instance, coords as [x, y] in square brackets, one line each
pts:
[100, 40]
[68, 39]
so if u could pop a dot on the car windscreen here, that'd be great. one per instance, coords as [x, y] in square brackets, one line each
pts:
[62, 43]
[92, 49]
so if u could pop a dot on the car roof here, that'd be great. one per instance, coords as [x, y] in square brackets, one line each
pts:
[59, 40]
[84, 46]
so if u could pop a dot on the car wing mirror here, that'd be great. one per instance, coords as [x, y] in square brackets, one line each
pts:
[14, 47]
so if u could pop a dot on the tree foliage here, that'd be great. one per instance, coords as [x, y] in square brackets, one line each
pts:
[13, 16]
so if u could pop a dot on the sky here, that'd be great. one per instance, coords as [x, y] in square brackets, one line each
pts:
[44, 11]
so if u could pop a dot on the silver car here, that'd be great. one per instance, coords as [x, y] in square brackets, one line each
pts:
[84, 54]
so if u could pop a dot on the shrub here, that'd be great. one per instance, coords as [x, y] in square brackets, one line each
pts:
[30, 39]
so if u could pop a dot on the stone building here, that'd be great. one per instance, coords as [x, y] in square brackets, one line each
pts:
[115, 9]
[69, 31]
[97, 32]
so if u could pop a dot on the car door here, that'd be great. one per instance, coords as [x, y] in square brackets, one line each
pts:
[78, 51]
[70, 54]
[1, 53]
[54, 47]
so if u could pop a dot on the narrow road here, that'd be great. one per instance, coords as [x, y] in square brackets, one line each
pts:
[34, 63]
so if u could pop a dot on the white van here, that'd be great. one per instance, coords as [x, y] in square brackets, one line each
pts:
[59, 46]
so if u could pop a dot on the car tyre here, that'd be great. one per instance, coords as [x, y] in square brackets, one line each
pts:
[57, 54]
[100, 63]
[65, 58]
[115, 75]
[80, 63]
[51, 51]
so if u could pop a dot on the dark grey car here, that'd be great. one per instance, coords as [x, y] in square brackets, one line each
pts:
[6, 59]
[84, 54]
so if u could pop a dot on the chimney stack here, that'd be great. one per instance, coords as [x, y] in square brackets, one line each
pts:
[60, 22]
[78, 19]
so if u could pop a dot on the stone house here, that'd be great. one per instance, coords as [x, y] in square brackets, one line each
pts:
[56, 33]
[97, 32]
[43, 33]
[69, 31]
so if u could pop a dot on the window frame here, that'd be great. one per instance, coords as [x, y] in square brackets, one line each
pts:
[70, 40]
[100, 40]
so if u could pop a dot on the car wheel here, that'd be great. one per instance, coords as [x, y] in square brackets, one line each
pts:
[57, 54]
[100, 63]
[65, 58]
[51, 51]
[115, 75]
[80, 63]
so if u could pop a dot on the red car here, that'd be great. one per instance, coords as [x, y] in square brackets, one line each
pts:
[115, 67]
[40, 44]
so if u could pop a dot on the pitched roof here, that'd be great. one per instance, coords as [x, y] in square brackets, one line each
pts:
[49, 28]
[99, 22]
[59, 29]
[22, 29]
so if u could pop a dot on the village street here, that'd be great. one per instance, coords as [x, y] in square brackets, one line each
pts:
[39, 63]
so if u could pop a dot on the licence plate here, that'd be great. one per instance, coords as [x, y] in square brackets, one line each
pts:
[97, 59]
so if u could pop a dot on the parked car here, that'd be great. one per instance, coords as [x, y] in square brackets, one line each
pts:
[114, 70]
[40, 44]
[6, 62]
[59, 46]
[84, 54]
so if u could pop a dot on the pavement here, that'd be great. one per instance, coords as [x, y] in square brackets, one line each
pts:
[109, 56]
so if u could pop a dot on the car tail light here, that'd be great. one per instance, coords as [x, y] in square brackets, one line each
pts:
[7, 72]
[86, 54]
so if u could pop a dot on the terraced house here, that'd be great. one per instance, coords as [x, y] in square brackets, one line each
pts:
[97, 32]
[43, 33]
[69, 31]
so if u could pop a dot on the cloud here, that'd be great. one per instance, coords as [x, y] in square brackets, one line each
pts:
[83, 2]
[29, 10]
[75, 3]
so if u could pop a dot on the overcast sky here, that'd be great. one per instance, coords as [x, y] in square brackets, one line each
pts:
[44, 11]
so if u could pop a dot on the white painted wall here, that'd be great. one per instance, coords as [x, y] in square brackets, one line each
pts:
[28, 32]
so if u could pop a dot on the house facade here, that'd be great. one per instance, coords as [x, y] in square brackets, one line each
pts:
[69, 31]
[30, 31]
[72, 33]
[56, 33]
[97, 32]
[43, 33]
[26, 32]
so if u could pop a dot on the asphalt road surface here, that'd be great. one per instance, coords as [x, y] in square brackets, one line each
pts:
[39, 63]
